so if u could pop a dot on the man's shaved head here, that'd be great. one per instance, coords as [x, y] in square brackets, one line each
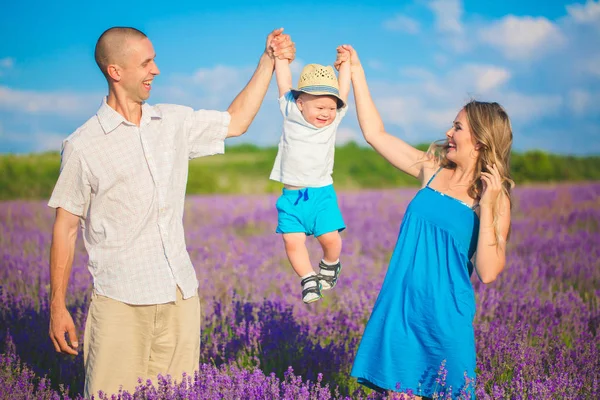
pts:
[112, 46]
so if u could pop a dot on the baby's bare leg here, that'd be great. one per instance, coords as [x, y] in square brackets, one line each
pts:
[297, 253]
[295, 248]
[331, 243]
[330, 266]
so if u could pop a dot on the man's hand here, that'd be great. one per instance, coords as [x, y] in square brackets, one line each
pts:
[244, 107]
[280, 45]
[62, 250]
[61, 322]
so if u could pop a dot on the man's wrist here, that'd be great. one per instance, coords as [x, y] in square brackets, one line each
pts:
[58, 305]
[57, 300]
[267, 59]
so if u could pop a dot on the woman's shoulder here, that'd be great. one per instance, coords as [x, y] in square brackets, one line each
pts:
[430, 167]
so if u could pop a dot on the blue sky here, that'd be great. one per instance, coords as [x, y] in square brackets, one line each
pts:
[424, 59]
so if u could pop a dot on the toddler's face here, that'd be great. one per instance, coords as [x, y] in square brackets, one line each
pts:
[319, 111]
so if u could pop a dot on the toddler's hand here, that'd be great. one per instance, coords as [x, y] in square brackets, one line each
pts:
[282, 47]
[346, 53]
[343, 55]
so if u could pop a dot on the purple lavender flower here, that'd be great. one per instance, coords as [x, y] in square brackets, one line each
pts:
[536, 327]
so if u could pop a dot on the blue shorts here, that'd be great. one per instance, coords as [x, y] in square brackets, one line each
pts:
[314, 211]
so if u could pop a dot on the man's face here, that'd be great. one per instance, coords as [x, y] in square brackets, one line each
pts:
[139, 69]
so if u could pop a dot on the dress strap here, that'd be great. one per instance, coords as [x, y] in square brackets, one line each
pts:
[433, 176]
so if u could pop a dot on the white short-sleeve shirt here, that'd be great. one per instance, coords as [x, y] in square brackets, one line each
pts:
[127, 184]
[306, 153]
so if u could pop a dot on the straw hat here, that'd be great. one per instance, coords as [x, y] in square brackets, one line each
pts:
[318, 80]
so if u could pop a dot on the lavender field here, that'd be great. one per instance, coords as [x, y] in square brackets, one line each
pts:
[537, 327]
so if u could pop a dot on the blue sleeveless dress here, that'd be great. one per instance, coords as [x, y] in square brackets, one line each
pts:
[425, 309]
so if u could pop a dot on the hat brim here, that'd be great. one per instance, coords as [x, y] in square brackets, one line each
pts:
[319, 92]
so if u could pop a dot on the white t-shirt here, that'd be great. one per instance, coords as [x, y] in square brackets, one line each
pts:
[305, 154]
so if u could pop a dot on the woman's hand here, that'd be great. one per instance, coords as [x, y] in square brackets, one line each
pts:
[492, 186]
[346, 53]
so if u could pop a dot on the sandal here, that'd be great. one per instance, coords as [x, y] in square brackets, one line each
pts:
[311, 289]
[329, 281]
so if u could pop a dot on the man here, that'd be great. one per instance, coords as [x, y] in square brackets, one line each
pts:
[123, 178]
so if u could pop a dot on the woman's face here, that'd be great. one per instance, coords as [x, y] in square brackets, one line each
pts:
[461, 145]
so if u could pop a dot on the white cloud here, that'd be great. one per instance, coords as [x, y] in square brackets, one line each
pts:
[7, 62]
[448, 15]
[440, 59]
[584, 102]
[398, 110]
[419, 121]
[522, 37]
[207, 88]
[220, 84]
[296, 68]
[469, 78]
[579, 101]
[402, 23]
[591, 65]
[588, 13]
[48, 141]
[440, 118]
[37, 141]
[58, 103]
[415, 119]
[527, 108]
[425, 117]
[417, 73]
[421, 105]
[266, 127]
[221, 78]
[436, 89]
[449, 25]
[486, 77]
[376, 65]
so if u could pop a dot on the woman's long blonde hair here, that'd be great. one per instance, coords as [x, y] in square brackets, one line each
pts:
[491, 129]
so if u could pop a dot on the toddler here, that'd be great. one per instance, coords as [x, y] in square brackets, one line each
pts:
[304, 164]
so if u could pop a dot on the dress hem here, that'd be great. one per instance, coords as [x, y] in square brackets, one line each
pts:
[378, 385]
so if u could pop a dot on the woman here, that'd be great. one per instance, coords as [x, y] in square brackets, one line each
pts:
[420, 333]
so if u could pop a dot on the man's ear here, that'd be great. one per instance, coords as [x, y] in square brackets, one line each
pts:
[114, 71]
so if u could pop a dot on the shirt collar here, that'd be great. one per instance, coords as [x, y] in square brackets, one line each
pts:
[149, 113]
[110, 119]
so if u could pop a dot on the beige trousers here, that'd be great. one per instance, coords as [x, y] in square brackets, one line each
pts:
[124, 342]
